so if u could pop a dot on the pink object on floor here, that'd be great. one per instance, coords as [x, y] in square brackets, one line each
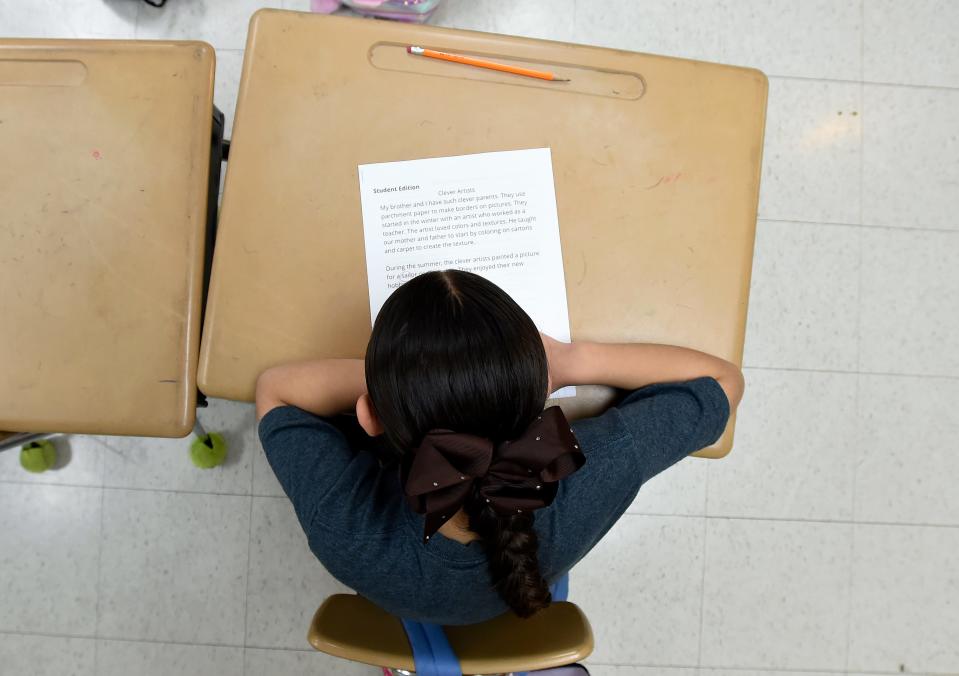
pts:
[414, 11]
[324, 6]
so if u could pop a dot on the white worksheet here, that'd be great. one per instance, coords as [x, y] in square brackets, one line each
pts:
[491, 213]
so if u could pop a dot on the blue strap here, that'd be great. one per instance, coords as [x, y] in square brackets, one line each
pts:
[560, 588]
[432, 653]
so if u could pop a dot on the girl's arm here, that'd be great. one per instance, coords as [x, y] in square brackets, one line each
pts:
[324, 386]
[631, 366]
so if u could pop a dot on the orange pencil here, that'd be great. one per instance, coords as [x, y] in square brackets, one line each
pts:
[481, 63]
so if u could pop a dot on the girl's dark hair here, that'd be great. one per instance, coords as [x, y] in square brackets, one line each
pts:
[452, 350]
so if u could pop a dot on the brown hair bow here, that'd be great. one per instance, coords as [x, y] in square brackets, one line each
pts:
[514, 476]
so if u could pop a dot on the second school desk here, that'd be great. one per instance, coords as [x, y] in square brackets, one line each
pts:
[656, 163]
[103, 210]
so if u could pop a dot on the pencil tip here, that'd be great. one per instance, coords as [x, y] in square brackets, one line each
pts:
[560, 79]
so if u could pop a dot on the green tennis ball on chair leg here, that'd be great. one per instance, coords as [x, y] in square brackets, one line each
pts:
[208, 451]
[38, 456]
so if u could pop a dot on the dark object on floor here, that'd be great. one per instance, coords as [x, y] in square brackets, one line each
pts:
[155, 3]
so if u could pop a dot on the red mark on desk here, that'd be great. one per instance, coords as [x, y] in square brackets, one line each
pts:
[96, 154]
[672, 178]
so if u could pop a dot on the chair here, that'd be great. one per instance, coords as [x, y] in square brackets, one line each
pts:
[351, 627]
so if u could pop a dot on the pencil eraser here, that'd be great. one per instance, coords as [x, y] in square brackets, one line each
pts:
[409, 50]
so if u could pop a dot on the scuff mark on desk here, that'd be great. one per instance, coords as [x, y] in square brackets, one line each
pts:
[671, 178]
[168, 381]
[583, 275]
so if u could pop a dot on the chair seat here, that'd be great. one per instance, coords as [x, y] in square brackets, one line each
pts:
[350, 626]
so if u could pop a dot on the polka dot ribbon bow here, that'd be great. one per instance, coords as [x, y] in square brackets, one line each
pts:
[512, 476]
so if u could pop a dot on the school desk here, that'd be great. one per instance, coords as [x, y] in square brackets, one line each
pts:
[656, 163]
[103, 208]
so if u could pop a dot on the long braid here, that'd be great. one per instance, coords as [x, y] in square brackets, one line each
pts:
[511, 547]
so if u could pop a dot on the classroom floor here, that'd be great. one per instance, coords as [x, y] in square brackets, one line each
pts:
[826, 543]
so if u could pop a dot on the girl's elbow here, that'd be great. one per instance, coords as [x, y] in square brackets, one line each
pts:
[734, 385]
[265, 393]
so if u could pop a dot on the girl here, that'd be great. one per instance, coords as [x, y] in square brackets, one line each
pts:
[482, 499]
